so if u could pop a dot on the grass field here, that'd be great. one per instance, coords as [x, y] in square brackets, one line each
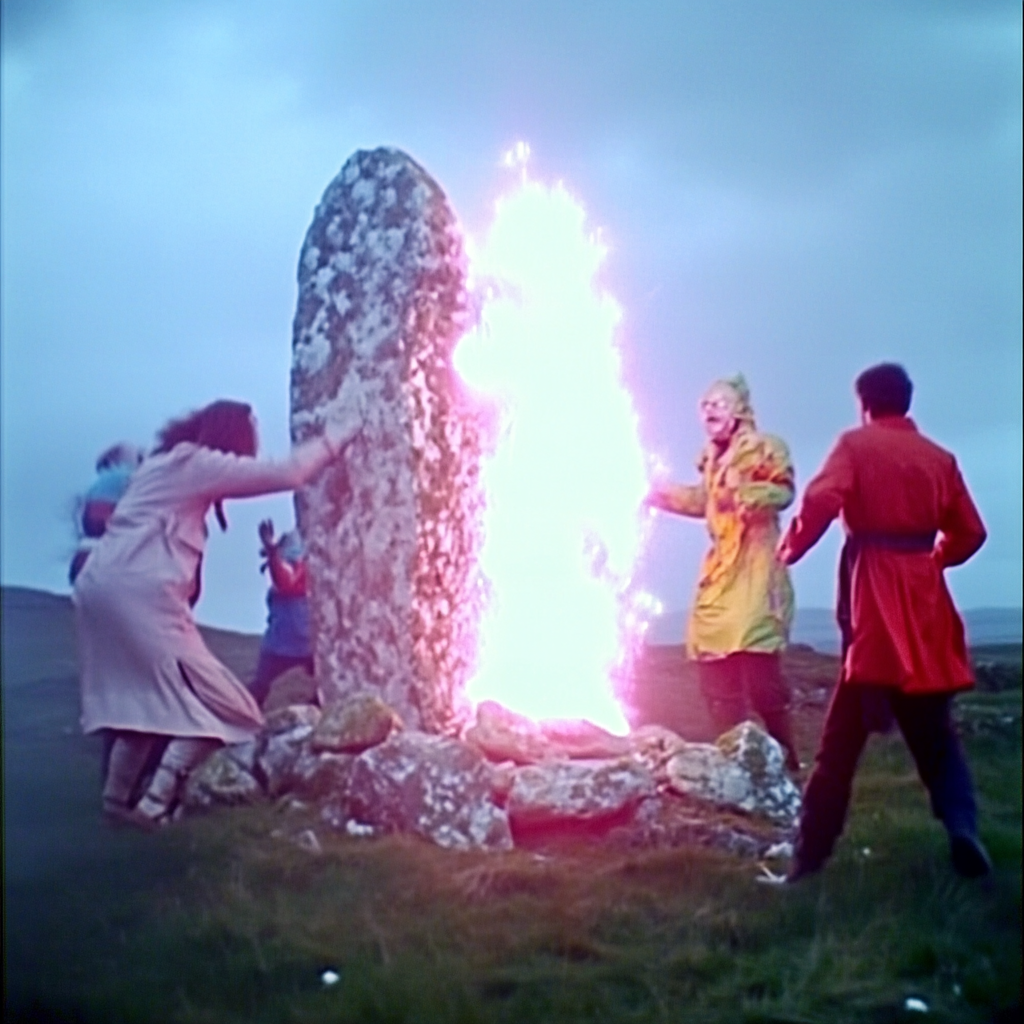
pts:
[224, 918]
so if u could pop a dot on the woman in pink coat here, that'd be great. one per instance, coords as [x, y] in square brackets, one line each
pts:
[146, 673]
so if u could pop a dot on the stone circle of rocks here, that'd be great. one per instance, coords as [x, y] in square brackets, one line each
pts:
[392, 532]
[507, 781]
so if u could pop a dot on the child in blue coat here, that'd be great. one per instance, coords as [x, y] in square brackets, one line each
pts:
[114, 469]
[287, 642]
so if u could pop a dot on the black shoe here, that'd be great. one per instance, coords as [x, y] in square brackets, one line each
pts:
[970, 858]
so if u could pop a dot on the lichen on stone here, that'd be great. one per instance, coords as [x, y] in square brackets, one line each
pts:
[393, 529]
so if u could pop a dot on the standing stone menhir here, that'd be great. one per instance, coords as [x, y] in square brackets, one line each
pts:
[392, 530]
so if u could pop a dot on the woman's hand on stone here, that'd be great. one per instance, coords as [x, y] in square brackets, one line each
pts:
[342, 427]
[345, 416]
[784, 551]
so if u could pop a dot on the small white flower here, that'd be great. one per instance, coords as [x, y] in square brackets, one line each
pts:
[915, 1005]
[330, 977]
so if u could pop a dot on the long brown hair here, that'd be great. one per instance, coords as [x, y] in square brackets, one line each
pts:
[224, 425]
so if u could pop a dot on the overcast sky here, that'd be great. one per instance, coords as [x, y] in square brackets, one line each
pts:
[794, 189]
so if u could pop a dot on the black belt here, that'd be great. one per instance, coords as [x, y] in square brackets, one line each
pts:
[911, 543]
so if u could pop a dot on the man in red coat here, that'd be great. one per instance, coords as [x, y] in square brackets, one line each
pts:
[908, 516]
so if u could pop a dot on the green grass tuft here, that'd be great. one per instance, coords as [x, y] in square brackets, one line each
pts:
[219, 920]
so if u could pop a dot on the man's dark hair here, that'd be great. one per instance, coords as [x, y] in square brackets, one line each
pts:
[885, 390]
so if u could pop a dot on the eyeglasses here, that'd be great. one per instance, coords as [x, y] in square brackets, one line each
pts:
[716, 405]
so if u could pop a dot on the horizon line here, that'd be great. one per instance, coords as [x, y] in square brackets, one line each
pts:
[673, 611]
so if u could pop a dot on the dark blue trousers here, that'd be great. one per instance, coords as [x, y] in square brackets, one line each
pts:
[928, 729]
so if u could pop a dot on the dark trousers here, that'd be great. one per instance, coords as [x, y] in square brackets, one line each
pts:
[929, 732]
[730, 683]
[270, 666]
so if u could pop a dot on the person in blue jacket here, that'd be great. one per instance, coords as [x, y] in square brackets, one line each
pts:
[114, 469]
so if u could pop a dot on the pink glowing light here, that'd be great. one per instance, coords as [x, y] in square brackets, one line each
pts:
[567, 475]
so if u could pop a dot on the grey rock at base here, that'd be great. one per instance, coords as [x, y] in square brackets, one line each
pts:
[503, 775]
[293, 687]
[392, 528]
[665, 821]
[353, 724]
[222, 780]
[321, 776]
[654, 746]
[580, 739]
[283, 719]
[744, 769]
[430, 786]
[544, 794]
[504, 735]
[244, 754]
[275, 762]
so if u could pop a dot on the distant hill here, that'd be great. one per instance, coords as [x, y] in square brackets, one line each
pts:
[816, 627]
[38, 638]
[46, 632]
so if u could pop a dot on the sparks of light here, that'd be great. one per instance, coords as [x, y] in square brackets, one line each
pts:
[517, 157]
[566, 477]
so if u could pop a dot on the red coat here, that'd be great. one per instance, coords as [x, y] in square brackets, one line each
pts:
[886, 480]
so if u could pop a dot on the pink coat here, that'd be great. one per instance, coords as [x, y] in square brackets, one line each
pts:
[144, 665]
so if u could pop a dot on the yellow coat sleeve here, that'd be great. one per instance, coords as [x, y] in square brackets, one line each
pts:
[683, 499]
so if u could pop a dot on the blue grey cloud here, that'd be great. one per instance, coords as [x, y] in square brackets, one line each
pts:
[795, 189]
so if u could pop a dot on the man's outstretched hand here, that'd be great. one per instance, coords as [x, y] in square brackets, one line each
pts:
[266, 532]
[785, 552]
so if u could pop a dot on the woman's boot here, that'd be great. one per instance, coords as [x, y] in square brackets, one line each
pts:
[161, 798]
[127, 758]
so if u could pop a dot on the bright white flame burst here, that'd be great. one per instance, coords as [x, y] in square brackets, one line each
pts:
[566, 478]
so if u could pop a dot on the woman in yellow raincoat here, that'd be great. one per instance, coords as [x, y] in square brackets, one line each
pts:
[744, 602]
